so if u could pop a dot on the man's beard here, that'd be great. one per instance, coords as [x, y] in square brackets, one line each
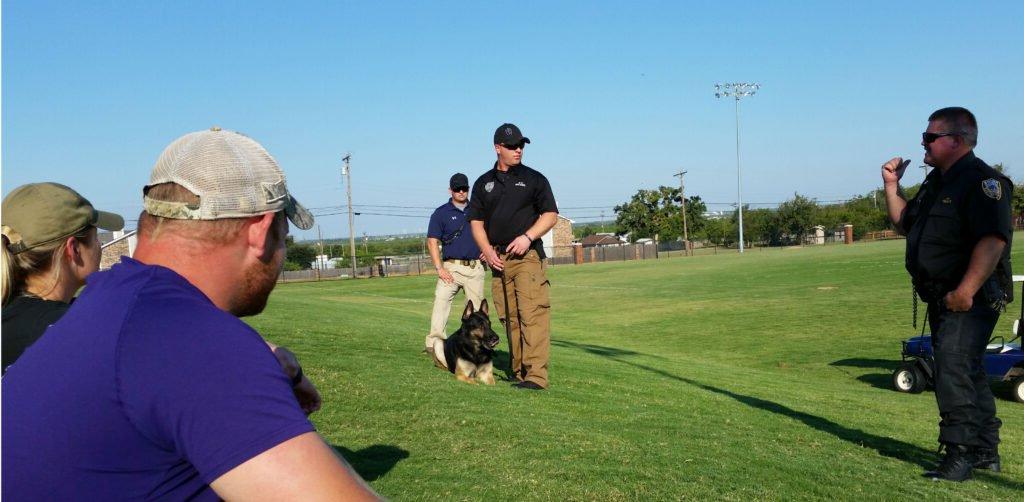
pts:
[259, 281]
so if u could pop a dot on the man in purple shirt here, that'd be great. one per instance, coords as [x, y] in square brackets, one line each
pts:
[150, 386]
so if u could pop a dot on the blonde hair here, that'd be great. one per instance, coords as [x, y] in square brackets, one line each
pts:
[17, 268]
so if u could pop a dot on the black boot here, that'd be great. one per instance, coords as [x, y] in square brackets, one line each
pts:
[986, 458]
[955, 466]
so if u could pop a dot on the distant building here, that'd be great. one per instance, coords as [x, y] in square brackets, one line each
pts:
[602, 239]
[114, 246]
[323, 262]
[558, 241]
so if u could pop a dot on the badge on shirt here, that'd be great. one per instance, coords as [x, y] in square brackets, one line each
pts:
[489, 186]
[992, 188]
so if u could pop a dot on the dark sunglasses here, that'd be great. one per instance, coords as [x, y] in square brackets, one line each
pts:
[514, 147]
[930, 137]
[460, 189]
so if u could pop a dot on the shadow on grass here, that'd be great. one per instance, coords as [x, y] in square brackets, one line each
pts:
[600, 350]
[876, 380]
[888, 447]
[373, 461]
[885, 364]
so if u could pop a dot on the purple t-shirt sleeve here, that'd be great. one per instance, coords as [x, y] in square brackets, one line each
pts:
[205, 386]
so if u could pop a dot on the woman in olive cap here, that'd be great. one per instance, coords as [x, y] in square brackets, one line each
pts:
[49, 247]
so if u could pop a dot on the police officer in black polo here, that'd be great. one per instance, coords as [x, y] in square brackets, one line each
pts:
[959, 234]
[511, 208]
[456, 258]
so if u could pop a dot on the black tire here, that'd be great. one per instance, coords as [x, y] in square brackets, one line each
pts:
[908, 378]
[1017, 390]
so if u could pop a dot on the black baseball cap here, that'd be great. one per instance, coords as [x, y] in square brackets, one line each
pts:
[458, 180]
[509, 134]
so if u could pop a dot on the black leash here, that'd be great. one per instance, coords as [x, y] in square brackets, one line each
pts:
[508, 321]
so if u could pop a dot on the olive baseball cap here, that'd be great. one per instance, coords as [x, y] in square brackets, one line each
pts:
[232, 174]
[42, 213]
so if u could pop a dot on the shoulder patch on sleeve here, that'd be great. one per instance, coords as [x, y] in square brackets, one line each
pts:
[992, 188]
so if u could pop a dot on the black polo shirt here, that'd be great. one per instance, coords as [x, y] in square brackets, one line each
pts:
[510, 202]
[947, 218]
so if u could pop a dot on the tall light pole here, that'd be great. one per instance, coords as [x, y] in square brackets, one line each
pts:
[682, 196]
[737, 90]
[347, 173]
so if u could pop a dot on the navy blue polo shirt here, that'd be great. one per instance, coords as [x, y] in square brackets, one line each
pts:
[448, 224]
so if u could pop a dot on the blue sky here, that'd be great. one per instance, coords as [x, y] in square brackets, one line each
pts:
[616, 96]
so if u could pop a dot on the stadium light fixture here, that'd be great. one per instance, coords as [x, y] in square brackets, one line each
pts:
[737, 90]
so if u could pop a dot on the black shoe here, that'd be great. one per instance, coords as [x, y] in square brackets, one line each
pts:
[528, 385]
[955, 466]
[986, 458]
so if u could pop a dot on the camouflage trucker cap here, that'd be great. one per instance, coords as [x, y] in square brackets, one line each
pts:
[233, 176]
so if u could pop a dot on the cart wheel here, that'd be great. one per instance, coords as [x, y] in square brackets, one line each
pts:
[1017, 391]
[908, 378]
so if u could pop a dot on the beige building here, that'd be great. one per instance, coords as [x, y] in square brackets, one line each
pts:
[115, 246]
[558, 240]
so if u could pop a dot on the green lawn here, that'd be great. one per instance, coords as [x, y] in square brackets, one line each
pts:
[732, 377]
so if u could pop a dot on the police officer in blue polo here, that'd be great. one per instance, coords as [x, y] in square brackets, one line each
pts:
[959, 234]
[456, 258]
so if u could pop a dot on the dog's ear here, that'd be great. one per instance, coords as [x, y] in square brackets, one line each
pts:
[469, 310]
[483, 307]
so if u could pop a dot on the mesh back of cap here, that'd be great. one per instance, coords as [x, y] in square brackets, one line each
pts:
[232, 174]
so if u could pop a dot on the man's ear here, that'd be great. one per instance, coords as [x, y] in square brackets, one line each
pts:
[497, 148]
[258, 234]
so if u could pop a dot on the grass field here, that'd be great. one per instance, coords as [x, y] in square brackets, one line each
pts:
[727, 377]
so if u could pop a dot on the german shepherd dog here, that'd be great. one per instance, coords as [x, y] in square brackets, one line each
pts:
[468, 352]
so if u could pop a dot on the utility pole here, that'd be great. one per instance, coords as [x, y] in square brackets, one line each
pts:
[602, 221]
[737, 90]
[320, 257]
[347, 173]
[682, 197]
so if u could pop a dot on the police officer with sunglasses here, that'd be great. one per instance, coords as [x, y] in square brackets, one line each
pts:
[456, 258]
[959, 233]
[511, 208]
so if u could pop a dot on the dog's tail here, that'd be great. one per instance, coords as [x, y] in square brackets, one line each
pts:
[437, 352]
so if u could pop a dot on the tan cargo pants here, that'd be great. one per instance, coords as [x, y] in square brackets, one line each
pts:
[468, 278]
[529, 314]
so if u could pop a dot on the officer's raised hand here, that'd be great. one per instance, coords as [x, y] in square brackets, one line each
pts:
[893, 170]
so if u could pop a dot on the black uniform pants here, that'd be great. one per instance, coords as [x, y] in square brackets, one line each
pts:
[967, 409]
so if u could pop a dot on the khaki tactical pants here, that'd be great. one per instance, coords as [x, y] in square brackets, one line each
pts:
[469, 278]
[529, 314]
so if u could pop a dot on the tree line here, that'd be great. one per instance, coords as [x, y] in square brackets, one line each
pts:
[657, 213]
